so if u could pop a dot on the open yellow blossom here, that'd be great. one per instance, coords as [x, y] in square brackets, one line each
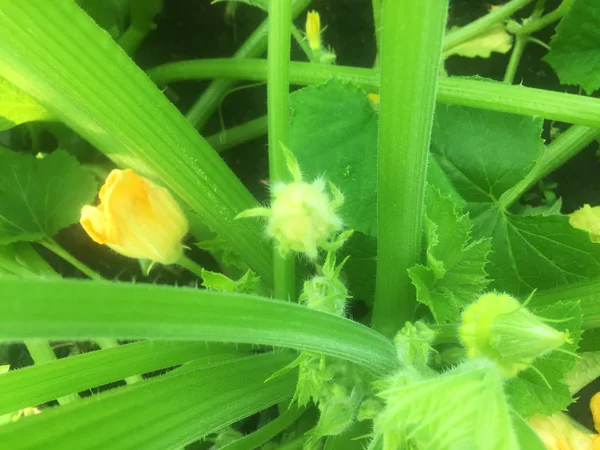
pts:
[587, 219]
[136, 218]
[313, 30]
[558, 432]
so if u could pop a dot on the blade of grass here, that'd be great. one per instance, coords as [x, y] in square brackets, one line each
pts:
[255, 46]
[170, 411]
[526, 101]
[89, 83]
[278, 93]
[408, 88]
[73, 309]
[41, 383]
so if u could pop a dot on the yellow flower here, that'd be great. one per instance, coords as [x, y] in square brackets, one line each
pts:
[587, 219]
[136, 218]
[557, 432]
[313, 30]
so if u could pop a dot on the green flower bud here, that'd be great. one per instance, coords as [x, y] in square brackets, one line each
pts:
[498, 327]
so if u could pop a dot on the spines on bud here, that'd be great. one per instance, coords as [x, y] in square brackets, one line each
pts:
[498, 327]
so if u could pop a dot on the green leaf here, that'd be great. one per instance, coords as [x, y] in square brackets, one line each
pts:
[527, 437]
[16, 107]
[485, 153]
[170, 411]
[223, 252]
[73, 309]
[587, 369]
[531, 394]
[333, 133]
[360, 268]
[38, 197]
[454, 274]
[575, 48]
[41, 383]
[247, 284]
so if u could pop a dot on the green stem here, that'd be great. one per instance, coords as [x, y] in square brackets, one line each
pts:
[278, 93]
[408, 88]
[302, 43]
[482, 24]
[190, 265]
[562, 107]
[131, 40]
[377, 23]
[232, 137]
[515, 58]
[107, 343]
[567, 145]
[267, 432]
[55, 248]
[546, 20]
[587, 293]
[253, 47]
[42, 352]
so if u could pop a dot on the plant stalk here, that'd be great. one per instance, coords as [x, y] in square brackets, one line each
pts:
[408, 88]
[255, 46]
[278, 93]
[526, 101]
[482, 24]
[567, 145]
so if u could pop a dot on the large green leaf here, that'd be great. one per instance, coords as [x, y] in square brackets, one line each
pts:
[72, 309]
[16, 107]
[485, 153]
[38, 197]
[44, 382]
[166, 412]
[62, 59]
[454, 273]
[575, 49]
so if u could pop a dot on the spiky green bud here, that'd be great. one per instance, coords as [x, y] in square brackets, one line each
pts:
[498, 327]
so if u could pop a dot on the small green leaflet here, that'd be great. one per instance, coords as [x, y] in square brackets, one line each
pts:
[38, 197]
[485, 153]
[454, 273]
[248, 284]
[528, 393]
[575, 49]
[587, 369]
[16, 107]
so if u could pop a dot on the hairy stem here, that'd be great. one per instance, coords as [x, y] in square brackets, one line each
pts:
[570, 108]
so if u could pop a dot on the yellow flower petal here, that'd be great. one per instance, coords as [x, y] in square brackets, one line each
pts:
[136, 218]
[558, 433]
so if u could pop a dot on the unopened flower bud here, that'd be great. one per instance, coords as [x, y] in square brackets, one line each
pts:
[136, 218]
[313, 30]
[498, 327]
